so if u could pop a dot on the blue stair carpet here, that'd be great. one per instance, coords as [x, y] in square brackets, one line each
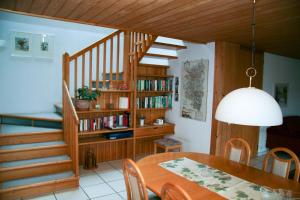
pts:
[31, 145]
[38, 179]
[14, 129]
[34, 161]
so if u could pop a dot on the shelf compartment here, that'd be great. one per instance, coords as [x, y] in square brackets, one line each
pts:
[102, 111]
[152, 109]
[154, 76]
[97, 140]
[114, 91]
[155, 91]
[104, 131]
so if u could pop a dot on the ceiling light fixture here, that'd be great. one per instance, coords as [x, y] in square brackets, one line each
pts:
[249, 106]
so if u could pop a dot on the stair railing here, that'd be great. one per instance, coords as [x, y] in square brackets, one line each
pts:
[70, 125]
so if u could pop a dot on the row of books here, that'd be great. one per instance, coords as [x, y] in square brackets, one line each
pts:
[154, 102]
[98, 123]
[155, 85]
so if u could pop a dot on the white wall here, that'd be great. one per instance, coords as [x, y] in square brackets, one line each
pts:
[279, 69]
[195, 135]
[31, 84]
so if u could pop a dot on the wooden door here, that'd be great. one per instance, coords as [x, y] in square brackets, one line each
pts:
[231, 62]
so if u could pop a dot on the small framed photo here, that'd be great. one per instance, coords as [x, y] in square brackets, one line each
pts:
[281, 93]
[21, 44]
[43, 46]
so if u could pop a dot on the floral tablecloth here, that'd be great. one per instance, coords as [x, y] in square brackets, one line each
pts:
[226, 185]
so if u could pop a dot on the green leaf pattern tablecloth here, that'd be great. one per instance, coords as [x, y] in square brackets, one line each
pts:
[226, 185]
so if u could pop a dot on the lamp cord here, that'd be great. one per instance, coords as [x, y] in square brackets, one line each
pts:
[253, 26]
[252, 68]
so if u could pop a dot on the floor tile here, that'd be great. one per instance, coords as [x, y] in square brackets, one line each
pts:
[84, 172]
[111, 176]
[43, 197]
[104, 167]
[98, 190]
[118, 186]
[117, 164]
[91, 179]
[76, 194]
[123, 195]
[109, 197]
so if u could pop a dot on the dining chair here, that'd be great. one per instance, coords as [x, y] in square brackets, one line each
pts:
[135, 183]
[170, 191]
[238, 150]
[281, 165]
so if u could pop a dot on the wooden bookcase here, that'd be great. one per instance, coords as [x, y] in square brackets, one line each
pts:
[90, 65]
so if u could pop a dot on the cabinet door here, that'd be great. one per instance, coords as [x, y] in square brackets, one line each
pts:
[231, 62]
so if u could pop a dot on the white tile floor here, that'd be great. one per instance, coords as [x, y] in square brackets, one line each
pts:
[106, 183]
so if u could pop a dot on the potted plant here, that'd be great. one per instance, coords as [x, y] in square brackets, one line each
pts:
[84, 96]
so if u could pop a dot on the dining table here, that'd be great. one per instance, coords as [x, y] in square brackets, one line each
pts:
[158, 169]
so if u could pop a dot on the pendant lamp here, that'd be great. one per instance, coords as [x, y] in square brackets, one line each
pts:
[249, 106]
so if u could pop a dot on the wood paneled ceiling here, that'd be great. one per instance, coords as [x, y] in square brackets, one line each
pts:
[278, 21]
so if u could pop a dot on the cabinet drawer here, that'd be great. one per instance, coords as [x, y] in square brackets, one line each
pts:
[155, 130]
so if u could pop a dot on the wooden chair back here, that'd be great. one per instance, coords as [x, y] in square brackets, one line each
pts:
[170, 191]
[238, 150]
[135, 183]
[282, 166]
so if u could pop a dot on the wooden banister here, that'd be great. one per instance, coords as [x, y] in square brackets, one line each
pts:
[70, 126]
[79, 53]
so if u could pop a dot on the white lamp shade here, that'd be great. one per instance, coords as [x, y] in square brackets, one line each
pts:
[249, 106]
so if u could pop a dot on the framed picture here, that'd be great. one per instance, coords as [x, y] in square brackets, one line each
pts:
[281, 93]
[43, 46]
[21, 44]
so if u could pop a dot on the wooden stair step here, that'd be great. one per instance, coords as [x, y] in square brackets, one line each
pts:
[153, 65]
[11, 136]
[32, 150]
[168, 45]
[34, 167]
[25, 187]
[161, 55]
[17, 129]
[47, 116]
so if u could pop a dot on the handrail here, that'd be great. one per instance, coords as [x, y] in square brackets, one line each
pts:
[79, 53]
[70, 126]
[70, 102]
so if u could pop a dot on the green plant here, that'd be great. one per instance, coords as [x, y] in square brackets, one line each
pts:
[85, 93]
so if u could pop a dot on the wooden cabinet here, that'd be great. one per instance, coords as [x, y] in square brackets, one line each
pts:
[154, 130]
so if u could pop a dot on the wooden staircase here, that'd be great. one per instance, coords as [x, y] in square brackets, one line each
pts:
[39, 157]
[34, 159]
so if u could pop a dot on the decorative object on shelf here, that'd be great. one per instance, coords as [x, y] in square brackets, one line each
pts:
[97, 106]
[159, 122]
[90, 160]
[193, 101]
[123, 102]
[176, 98]
[43, 46]
[249, 106]
[21, 44]
[84, 96]
[142, 120]
[281, 93]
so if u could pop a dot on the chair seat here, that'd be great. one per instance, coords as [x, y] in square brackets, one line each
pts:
[167, 142]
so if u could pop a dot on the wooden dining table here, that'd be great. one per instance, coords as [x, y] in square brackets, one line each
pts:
[156, 176]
